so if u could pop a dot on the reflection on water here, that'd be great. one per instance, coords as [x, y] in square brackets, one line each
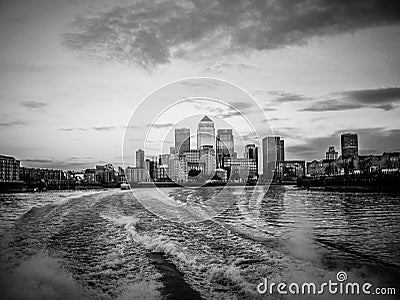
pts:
[105, 244]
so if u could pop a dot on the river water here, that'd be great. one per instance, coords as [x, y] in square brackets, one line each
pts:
[106, 245]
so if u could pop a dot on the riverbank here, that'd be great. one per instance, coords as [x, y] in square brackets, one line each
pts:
[352, 183]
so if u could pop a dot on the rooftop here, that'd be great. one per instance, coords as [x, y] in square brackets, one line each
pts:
[206, 119]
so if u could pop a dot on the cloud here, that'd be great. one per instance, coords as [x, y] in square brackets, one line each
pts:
[243, 106]
[277, 119]
[219, 68]
[66, 129]
[375, 96]
[67, 163]
[152, 33]
[157, 126]
[12, 123]
[303, 149]
[95, 128]
[280, 96]
[34, 105]
[36, 161]
[332, 105]
[385, 98]
[103, 128]
[232, 109]
[266, 108]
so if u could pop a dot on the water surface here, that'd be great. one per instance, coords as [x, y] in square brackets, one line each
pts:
[104, 244]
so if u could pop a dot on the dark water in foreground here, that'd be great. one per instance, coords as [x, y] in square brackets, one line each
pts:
[105, 245]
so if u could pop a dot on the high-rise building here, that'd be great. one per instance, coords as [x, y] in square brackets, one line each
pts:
[273, 151]
[251, 152]
[182, 140]
[281, 150]
[331, 154]
[140, 159]
[205, 133]
[225, 145]
[349, 144]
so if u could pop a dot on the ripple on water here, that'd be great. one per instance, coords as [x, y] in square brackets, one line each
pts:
[106, 240]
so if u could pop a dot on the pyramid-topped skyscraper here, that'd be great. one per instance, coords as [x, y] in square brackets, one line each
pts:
[205, 133]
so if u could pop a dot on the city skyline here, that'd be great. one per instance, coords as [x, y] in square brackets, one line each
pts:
[66, 104]
[199, 149]
[205, 164]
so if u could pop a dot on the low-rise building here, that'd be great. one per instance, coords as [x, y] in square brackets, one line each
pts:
[9, 169]
[135, 175]
[90, 176]
[241, 169]
[290, 170]
[178, 169]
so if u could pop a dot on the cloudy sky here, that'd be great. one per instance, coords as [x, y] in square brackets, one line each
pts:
[73, 72]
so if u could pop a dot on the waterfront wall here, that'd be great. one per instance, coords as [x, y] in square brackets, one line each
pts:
[379, 182]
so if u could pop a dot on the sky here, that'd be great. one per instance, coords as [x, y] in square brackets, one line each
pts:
[73, 73]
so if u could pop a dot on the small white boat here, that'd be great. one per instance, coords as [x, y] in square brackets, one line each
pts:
[125, 186]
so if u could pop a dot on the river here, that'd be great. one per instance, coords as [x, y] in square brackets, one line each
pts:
[106, 245]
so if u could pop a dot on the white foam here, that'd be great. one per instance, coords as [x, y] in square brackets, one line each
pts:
[41, 277]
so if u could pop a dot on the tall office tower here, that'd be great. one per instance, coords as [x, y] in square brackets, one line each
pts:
[331, 154]
[205, 133]
[251, 153]
[349, 144]
[140, 159]
[273, 151]
[182, 140]
[281, 155]
[225, 145]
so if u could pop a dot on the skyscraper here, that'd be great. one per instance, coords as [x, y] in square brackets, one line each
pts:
[205, 133]
[225, 145]
[251, 153]
[281, 150]
[182, 140]
[349, 144]
[140, 159]
[273, 151]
